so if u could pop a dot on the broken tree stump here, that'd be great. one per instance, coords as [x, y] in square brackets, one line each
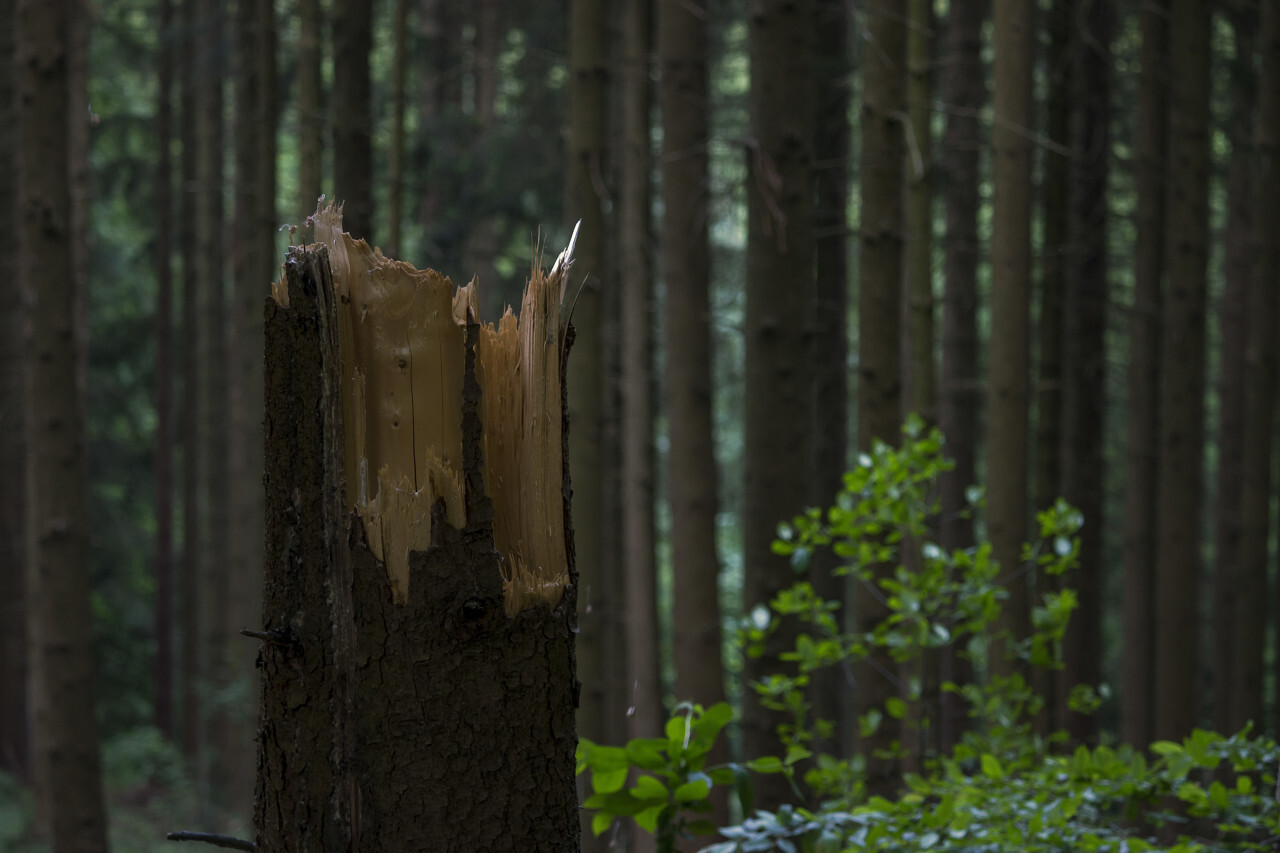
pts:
[418, 674]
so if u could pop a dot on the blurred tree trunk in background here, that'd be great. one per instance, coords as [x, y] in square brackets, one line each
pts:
[1179, 497]
[311, 119]
[1251, 620]
[779, 289]
[599, 580]
[830, 343]
[66, 759]
[1084, 398]
[919, 373]
[351, 115]
[190, 672]
[164, 445]
[964, 93]
[395, 168]
[481, 245]
[1055, 185]
[1009, 350]
[635, 267]
[1229, 591]
[692, 475]
[1260, 367]
[213, 429]
[1137, 661]
[884, 80]
[15, 742]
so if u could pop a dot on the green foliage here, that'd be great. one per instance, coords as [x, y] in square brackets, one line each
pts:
[1004, 787]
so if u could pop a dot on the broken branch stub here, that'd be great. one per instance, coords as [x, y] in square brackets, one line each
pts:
[403, 343]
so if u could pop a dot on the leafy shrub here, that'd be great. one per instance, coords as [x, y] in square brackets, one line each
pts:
[1004, 787]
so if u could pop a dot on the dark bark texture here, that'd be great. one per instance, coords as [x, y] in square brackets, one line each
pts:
[394, 726]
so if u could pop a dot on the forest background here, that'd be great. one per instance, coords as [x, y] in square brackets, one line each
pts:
[1049, 228]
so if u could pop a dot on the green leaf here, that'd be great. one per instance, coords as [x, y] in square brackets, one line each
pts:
[608, 781]
[1166, 747]
[648, 819]
[647, 753]
[767, 764]
[600, 822]
[649, 788]
[895, 707]
[690, 791]
[991, 766]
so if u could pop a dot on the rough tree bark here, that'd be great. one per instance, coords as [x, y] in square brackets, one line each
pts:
[1181, 431]
[418, 653]
[1137, 663]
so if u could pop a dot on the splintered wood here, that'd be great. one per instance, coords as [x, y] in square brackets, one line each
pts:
[402, 340]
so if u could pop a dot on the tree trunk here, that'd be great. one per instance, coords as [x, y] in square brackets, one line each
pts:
[15, 743]
[586, 149]
[884, 79]
[919, 378]
[191, 671]
[1055, 209]
[213, 429]
[1181, 432]
[395, 168]
[1260, 364]
[164, 446]
[1229, 591]
[311, 122]
[636, 280]
[1137, 664]
[779, 303]
[1085, 374]
[430, 631]
[829, 424]
[1009, 351]
[964, 88]
[66, 760]
[351, 114]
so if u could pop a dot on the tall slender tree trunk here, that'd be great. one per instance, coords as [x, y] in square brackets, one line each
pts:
[830, 344]
[1229, 591]
[213, 431]
[67, 763]
[586, 167]
[15, 743]
[779, 298]
[1006, 434]
[1260, 365]
[1137, 664]
[352, 116]
[963, 89]
[395, 169]
[1085, 374]
[311, 121]
[636, 280]
[884, 80]
[1055, 186]
[1181, 432]
[191, 672]
[920, 375]
[164, 447]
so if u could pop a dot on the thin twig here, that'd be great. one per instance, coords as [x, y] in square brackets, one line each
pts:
[216, 840]
[265, 636]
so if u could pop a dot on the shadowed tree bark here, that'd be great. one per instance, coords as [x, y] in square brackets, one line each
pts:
[1260, 364]
[1085, 389]
[1006, 434]
[1137, 664]
[884, 80]
[963, 90]
[1181, 430]
[67, 767]
[14, 731]
[779, 290]
[830, 344]
[1230, 593]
